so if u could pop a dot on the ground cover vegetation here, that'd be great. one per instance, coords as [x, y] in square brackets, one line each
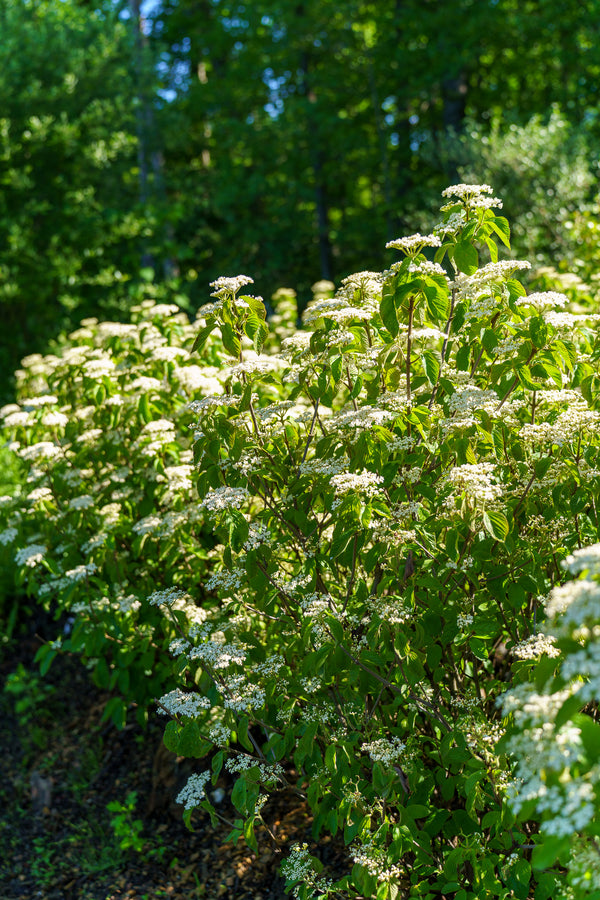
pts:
[337, 557]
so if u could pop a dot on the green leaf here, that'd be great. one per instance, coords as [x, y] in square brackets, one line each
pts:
[336, 368]
[492, 246]
[500, 225]
[548, 852]
[431, 365]
[387, 308]
[495, 523]
[538, 331]
[242, 734]
[239, 795]
[202, 336]
[45, 655]
[249, 835]
[256, 305]
[356, 387]
[231, 341]
[466, 257]
[144, 409]
[437, 301]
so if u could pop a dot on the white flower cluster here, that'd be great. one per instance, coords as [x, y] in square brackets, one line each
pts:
[298, 867]
[427, 268]
[552, 763]
[30, 556]
[182, 703]
[224, 498]
[367, 483]
[469, 398]
[494, 273]
[413, 244]
[473, 195]
[384, 750]
[84, 501]
[193, 792]
[166, 597]
[536, 646]
[243, 762]
[464, 621]
[8, 536]
[218, 654]
[41, 450]
[476, 480]
[374, 859]
[226, 287]
[584, 866]
[543, 300]
[362, 419]
[585, 560]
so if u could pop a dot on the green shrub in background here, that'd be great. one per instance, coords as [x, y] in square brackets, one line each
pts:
[547, 173]
[392, 496]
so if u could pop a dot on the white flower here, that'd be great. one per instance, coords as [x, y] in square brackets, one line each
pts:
[166, 597]
[473, 195]
[84, 501]
[475, 479]
[17, 418]
[30, 556]
[193, 792]
[543, 300]
[535, 646]
[585, 560]
[51, 419]
[414, 243]
[182, 703]
[357, 482]
[385, 750]
[225, 287]
[225, 498]
[8, 535]
[41, 450]
[42, 400]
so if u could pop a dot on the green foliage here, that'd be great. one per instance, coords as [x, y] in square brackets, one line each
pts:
[292, 138]
[348, 561]
[71, 226]
[390, 494]
[107, 516]
[29, 695]
[555, 735]
[126, 829]
[544, 172]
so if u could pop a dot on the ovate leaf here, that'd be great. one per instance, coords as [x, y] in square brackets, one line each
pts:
[495, 523]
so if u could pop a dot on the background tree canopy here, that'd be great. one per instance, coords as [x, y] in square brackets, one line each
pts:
[179, 141]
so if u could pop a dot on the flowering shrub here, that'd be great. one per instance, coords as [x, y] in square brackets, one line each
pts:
[383, 501]
[106, 521]
[391, 494]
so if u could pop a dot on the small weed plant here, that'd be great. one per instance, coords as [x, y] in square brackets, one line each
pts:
[366, 602]
[127, 829]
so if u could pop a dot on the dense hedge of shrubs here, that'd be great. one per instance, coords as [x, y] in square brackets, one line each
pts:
[335, 555]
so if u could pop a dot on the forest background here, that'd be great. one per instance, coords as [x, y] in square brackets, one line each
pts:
[177, 141]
